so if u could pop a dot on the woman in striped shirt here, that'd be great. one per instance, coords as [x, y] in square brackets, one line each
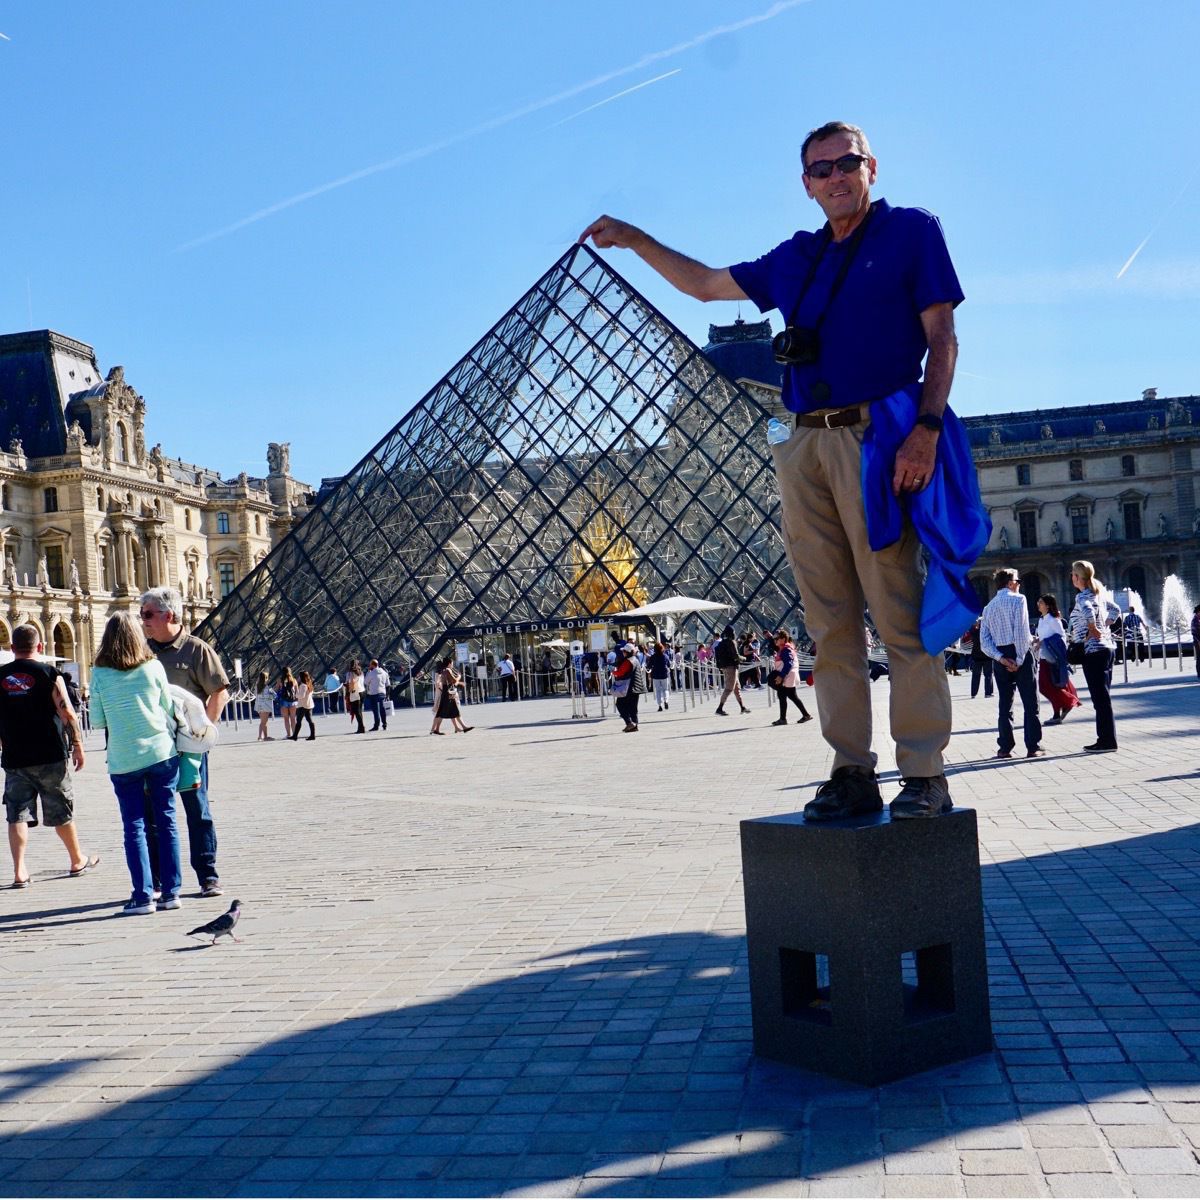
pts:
[1094, 611]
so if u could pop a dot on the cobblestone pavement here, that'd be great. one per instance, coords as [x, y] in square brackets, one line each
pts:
[513, 962]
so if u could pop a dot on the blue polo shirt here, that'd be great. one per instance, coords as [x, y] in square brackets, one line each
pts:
[872, 340]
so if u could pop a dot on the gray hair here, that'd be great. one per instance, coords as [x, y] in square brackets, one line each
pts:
[832, 129]
[167, 600]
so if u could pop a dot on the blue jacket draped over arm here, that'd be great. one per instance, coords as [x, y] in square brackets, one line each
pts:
[948, 513]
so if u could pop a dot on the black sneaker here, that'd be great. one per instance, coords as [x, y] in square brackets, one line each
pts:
[1097, 748]
[927, 797]
[851, 792]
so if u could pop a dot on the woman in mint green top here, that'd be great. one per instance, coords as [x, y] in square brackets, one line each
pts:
[130, 698]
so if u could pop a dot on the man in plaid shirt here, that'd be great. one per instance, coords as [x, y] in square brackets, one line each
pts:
[1004, 633]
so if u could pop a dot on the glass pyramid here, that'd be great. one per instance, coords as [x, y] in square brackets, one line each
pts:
[582, 458]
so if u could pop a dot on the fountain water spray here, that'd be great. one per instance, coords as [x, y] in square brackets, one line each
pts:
[1176, 614]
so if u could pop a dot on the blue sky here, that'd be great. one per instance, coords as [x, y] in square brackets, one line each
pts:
[1051, 139]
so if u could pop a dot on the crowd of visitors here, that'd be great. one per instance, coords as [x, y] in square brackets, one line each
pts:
[1004, 635]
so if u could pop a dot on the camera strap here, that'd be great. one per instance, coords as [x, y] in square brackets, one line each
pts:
[856, 239]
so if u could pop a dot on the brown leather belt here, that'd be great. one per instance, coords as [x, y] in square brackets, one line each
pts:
[838, 418]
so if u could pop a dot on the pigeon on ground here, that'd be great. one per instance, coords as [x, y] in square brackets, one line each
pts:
[223, 925]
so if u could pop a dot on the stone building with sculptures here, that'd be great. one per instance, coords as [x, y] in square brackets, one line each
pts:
[90, 516]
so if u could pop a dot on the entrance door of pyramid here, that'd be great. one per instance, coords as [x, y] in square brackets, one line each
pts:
[581, 458]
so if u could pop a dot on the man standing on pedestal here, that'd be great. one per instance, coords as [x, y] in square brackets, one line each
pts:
[867, 300]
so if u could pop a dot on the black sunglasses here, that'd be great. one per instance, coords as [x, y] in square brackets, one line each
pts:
[823, 167]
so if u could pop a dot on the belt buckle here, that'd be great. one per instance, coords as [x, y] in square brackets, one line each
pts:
[825, 417]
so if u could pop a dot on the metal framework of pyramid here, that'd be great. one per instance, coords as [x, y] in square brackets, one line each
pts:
[584, 456]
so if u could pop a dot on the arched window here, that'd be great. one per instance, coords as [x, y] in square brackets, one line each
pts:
[1136, 580]
[257, 523]
[122, 442]
[100, 498]
[64, 643]
[187, 518]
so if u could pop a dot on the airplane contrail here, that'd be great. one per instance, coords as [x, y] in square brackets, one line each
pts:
[411, 156]
[5, 37]
[637, 87]
[1166, 212]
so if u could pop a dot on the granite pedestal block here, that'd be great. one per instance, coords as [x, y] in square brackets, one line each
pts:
[866, 944]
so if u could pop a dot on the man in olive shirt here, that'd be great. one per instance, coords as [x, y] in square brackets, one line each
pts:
[32, 693]
[195, 667]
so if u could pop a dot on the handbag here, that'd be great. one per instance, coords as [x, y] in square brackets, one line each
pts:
[1075, 653]
[620, 687]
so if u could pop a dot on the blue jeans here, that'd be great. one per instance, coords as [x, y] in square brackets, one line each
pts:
[375, 703]
[1025, 682]
[152, 787]
[202, 833]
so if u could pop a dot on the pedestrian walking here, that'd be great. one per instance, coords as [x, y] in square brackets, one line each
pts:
[508, 678]
[193, 665]
[982, 665]
[787, 674]
[377, 681]
[1090, 618]
[1196, 638]
[447, 700]
[660, 674]
[264, 705]
[627, 686]
[333, 692]
[728, 661]
[1004, 629]
[867, 428]
[1054, 669]
[287, 701]
[34, 757]
[131, 698]
[355, 689]
[305, 699]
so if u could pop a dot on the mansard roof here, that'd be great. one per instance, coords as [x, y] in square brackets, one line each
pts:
[743, 351]
[1048, 426]
[40, 370]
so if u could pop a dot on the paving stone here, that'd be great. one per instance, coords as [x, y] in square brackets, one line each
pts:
[1074, 1161]
[1159, 1161]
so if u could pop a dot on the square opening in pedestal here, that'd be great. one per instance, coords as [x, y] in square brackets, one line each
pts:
[805, 985]
[927, 977]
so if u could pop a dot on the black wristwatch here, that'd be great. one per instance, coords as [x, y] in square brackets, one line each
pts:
[929, 421]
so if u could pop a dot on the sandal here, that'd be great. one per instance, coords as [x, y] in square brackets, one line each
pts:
[19, 883]
[90, 862]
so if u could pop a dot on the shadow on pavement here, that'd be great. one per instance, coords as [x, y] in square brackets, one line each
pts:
[599, 1062]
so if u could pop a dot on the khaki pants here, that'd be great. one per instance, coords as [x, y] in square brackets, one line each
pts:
[825, 531]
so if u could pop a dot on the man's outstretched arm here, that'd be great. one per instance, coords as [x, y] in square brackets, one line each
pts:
[689, 276]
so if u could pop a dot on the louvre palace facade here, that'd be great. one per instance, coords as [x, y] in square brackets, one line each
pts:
[90, 516]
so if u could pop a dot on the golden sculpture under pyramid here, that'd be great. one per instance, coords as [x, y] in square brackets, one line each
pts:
[604, 578]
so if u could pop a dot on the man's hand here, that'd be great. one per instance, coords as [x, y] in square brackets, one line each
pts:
[1011, 665]
[77, 754]
[915, 461]
[607, 232]
[689, 276]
